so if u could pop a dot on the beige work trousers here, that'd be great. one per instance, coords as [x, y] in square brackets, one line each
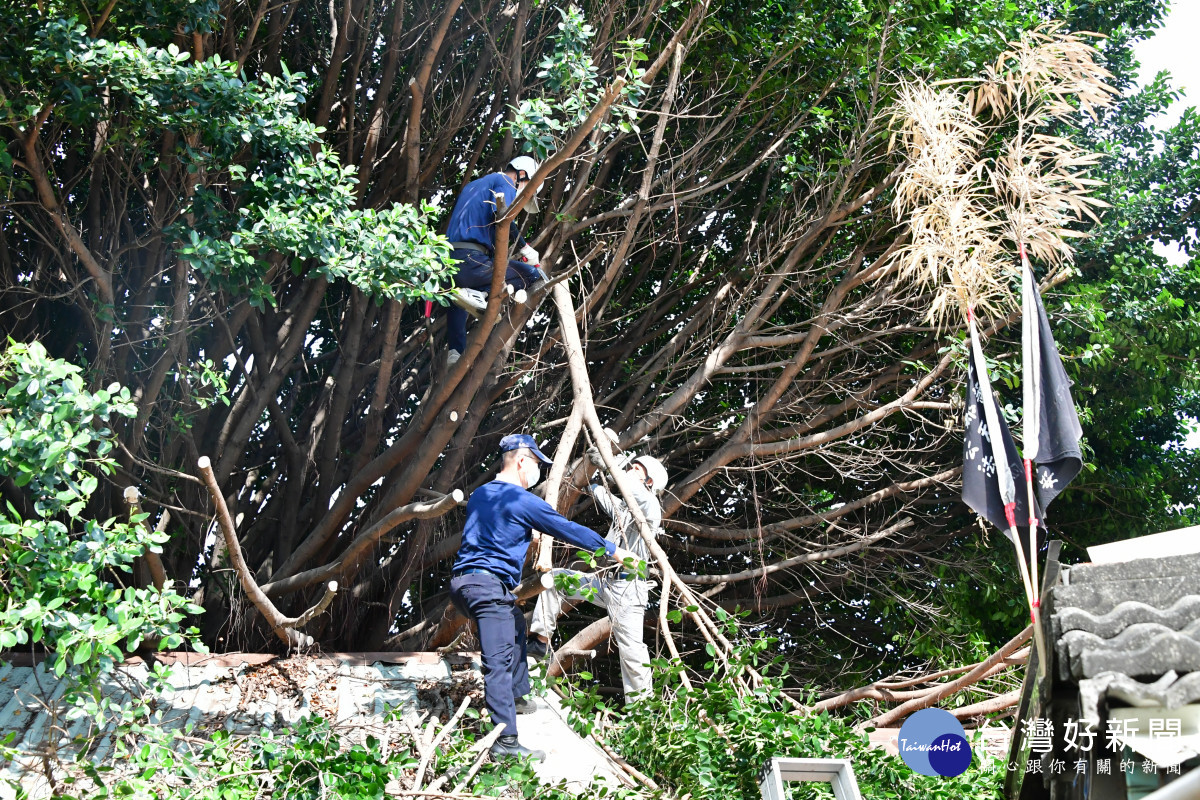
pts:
[625, 602]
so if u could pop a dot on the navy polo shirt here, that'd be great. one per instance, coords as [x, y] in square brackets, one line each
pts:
[500, 521]
[474, 216]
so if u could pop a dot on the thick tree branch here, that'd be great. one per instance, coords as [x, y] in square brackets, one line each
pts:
[283, 627]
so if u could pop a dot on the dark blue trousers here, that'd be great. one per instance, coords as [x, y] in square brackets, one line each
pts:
[484, 599]
[475, 272]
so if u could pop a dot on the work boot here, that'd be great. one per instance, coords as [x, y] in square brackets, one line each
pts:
[509, 747]
[452, 357]
[473, 301]
[536, 648]
[526, 706]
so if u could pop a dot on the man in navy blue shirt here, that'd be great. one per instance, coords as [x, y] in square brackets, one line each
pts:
[472, 235]
[501, 516]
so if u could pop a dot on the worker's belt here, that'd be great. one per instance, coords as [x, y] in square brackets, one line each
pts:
[627, 576]
[476, 571]
[478, 248]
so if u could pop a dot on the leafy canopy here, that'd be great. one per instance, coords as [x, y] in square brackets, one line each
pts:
[261, 180]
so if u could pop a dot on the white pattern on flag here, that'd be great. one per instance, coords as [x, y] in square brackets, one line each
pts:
[1008, 488]
[987, 466]
[1047, 478]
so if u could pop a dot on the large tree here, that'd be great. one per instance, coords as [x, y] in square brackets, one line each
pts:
[221, 205]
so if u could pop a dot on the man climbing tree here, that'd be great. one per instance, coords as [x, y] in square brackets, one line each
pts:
[472, 234]
[622, 593]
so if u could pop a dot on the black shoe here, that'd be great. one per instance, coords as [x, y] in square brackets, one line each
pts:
[509, 747]
[526, 706]
[537, 648]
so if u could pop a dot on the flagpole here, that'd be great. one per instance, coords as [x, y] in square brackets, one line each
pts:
[1026, 281]
[1033, 523]
[1010, 513]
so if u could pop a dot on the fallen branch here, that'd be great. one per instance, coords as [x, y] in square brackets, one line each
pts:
[283, 627]
[484, 746]
[427, 756]
[982, 669]
[628, 768]
[991, 706]
[880, 692]
[577, 366]
[900, 691]
[566, 443]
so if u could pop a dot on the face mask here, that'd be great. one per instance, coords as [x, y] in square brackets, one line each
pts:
[532, 476]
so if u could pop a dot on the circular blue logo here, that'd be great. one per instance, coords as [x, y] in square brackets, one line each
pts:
[932, 742]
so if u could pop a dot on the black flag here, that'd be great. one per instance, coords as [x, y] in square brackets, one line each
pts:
[991, 466]
[1052, 429]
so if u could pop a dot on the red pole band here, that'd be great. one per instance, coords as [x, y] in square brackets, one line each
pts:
[428, 309]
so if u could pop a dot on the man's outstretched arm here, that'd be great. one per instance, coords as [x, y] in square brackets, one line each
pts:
[537, 514]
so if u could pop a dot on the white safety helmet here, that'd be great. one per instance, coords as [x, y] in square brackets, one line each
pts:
[656, 473]
[529, 167]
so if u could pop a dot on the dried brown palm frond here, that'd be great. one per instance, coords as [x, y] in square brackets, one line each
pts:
[966, 213]
[941, 138]
[1043, 189]
[952, 234]
[954, 248]
[1041, 181]
[1040, 75]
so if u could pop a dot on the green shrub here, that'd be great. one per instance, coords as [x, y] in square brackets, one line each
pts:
[710, 743]
[60, 572]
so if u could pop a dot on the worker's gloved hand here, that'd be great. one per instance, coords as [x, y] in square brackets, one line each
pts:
[531, 256]
[593, 454]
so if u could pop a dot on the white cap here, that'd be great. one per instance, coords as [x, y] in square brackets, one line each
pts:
[530, 167]
[655, 472]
